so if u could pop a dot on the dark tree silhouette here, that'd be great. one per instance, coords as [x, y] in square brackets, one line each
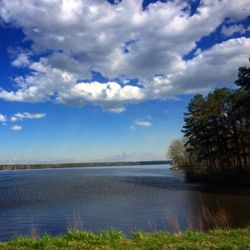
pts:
[217, 129]
[244, 78]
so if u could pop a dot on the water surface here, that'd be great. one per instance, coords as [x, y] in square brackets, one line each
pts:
[97, 198]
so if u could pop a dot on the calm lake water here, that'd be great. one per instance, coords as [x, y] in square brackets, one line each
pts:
[97, 198]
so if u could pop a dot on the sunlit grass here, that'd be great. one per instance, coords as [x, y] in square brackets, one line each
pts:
[214, 239]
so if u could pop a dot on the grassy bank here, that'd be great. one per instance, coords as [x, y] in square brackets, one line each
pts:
[215, 239]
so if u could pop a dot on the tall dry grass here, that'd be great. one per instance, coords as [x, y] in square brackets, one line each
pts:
[76, 224]
[205, 219]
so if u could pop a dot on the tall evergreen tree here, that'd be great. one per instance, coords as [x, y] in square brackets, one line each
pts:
[217, 128]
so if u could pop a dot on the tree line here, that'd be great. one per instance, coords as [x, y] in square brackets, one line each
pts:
[217, 129]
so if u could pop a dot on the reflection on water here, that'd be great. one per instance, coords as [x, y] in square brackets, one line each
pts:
[124, 198]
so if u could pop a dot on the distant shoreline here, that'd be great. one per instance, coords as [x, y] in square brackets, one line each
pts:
[80, 164]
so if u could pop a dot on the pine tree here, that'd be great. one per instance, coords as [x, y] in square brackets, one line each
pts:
[217, 128]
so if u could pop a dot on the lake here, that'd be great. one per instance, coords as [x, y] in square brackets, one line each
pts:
[97, 198]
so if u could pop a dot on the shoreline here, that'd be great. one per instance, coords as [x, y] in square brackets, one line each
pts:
[80, 164]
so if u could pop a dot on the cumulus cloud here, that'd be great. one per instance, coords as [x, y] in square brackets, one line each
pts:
[217, 65]
[26, 115]
[143, 123]
[16, 128]
[100, 92]
[3, 118]
[71, 39]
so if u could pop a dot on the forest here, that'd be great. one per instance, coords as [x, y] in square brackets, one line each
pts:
[217, 134]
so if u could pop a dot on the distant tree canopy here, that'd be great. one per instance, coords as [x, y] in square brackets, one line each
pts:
[217, 128]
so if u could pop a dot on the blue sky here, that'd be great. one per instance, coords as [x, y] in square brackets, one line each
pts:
[104, 81]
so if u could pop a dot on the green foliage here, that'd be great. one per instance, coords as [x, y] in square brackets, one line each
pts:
[216, 239]
[217, 129]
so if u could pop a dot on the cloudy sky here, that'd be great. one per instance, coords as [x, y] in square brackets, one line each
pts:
[87, 80]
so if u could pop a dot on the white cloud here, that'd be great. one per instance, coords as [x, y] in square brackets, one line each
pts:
[215, 66]
[117, 110]
[3, 118]
[143, 123]
[121, 41]
[21, 60]
[16, 128]
[101, 92]
[26, 115]
[232, 29]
